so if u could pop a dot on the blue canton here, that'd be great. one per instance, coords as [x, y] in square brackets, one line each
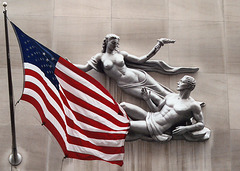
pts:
[35, 53]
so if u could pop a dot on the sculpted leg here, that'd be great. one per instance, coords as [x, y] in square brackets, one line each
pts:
[138, 130]
[139, 127]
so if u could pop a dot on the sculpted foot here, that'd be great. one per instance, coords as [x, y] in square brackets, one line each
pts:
[164, 137]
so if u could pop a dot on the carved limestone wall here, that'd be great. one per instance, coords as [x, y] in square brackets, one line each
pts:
[207, 36]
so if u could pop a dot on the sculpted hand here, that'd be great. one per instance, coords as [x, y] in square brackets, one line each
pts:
[180, 130]
[164, 41]
[146, 93]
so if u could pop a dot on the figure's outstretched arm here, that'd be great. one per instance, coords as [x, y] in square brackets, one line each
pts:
[146, 94]
[91, 64]
[142, 59]
[85, 67]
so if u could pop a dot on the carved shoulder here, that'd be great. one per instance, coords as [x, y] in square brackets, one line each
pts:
[98, 56]
[124, 53]
[196, 107]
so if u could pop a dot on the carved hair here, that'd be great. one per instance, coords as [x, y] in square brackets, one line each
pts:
[190, 81]
[105, 41]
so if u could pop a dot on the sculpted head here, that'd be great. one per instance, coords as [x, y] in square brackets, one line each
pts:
[108, 38]
[187, 82]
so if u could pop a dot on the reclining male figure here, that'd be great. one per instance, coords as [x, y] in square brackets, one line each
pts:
[173, 109]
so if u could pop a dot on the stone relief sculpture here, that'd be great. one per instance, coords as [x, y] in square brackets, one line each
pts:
[178, 116]
[121, 67]
[172, 116]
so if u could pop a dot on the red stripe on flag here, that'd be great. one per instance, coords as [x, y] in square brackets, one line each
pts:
[85, 89]
[90, 157]
[70, 139]
[104, 149]
[53, 111]
[48, 124]
[49, 90]
[85, 119]
[56, 134]
[49, 106]
[96, 135]
[84, 75]
[77, 115]
[94, 109]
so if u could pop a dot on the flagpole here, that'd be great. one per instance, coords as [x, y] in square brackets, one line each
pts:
[15, 158]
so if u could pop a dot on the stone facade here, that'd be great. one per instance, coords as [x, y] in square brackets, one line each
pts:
[207, 35]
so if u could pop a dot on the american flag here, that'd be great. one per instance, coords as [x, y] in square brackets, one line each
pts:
[80, 113]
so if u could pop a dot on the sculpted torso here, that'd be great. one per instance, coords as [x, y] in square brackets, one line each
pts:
[174, 110]
[114, 66]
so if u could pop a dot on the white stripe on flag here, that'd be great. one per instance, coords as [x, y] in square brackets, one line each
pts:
[67, 111]
[71, 147]
[35, 81]
[82, 80]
